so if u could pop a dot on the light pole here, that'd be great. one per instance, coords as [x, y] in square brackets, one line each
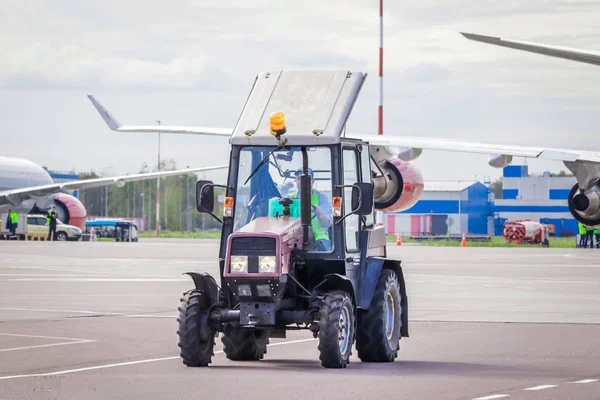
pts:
[158, 187]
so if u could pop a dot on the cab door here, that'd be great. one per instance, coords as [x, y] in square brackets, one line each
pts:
[351, 176]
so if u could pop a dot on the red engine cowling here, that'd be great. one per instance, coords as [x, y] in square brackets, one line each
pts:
[70, 210]
[400, 186]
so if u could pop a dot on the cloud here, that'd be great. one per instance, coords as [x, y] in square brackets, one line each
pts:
[193, 62]
[73, 66]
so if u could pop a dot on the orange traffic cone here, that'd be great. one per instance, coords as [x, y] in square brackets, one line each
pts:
[398, 239]
[463, 243]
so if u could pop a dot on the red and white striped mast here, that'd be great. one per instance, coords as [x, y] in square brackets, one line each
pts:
[380, 130]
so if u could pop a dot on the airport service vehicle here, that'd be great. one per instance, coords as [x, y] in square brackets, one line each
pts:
[120, 230]
[37, 224]
[526, 231]
[300, 248]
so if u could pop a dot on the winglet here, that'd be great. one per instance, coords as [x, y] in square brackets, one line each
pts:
[111, 121]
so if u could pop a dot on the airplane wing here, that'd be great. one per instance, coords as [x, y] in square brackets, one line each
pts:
[115, 125]
[586, 164]
[546, 153]
[16, 196]
[584, 56]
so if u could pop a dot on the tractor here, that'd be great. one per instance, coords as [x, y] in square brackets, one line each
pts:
[300, 247]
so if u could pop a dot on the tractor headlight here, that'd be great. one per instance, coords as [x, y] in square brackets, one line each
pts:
[239, 264]
[266, 264]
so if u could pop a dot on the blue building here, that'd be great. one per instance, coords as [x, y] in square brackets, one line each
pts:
[469, 206]
[61, 177]
[542, 199]
[446, 208]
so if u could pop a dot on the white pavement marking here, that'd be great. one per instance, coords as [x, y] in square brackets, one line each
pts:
[586, 381]
[511, 265]
[132, 273]
[124, 315]
[494, 396]
[130, 363]
[40, 337]
[59, 311]
[541, 387]
[146, 316]
[70, 341]
[46, 345]
[98, 280]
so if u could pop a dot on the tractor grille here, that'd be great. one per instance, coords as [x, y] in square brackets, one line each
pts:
[253, 248]
[249, 245]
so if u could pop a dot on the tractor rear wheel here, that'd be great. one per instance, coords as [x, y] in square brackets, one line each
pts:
[196, 338]
[337, 330]
[378, 335]
[245, 344]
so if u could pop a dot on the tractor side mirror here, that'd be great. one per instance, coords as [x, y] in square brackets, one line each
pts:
[205, 197]
[362, 198]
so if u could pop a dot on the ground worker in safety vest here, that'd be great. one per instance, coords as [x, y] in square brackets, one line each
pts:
[12, 222]
[597, 234]
[582, 234]
[589, 236]
[51, 222]
[321, 216]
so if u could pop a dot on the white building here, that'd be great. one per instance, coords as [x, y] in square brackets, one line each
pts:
[542, 199]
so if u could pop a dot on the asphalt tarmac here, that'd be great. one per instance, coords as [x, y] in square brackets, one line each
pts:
[97, 321]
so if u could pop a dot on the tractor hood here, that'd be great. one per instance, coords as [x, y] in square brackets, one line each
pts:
[273, 226]
[265, 236]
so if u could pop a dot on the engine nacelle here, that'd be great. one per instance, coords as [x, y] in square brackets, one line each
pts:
[499, 160]
[400, 186]
[69, 209]
[409, 154]
[585, 207]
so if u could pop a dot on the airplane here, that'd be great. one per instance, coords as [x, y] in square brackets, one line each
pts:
[585, 205]
[400, 184]
[26, 187]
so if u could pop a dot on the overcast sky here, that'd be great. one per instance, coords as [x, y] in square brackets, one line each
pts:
[193, 63]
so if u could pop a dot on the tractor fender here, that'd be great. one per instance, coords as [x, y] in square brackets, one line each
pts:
[206, 283]
[336, 282]
[374, 267]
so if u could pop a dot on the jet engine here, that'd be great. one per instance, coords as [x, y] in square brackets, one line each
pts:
[585, 207]
[69, 209]
[398, 183]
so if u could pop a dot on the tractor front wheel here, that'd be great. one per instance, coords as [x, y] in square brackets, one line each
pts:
[337, 327]
[196, 338]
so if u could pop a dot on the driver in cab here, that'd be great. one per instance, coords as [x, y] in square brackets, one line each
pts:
[321, 215]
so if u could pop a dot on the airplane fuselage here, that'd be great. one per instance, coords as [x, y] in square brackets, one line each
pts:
[16, 173]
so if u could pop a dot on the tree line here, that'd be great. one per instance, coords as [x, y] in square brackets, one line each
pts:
[138, 200]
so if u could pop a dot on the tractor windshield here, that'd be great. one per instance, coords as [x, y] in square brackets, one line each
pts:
[276, 178]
